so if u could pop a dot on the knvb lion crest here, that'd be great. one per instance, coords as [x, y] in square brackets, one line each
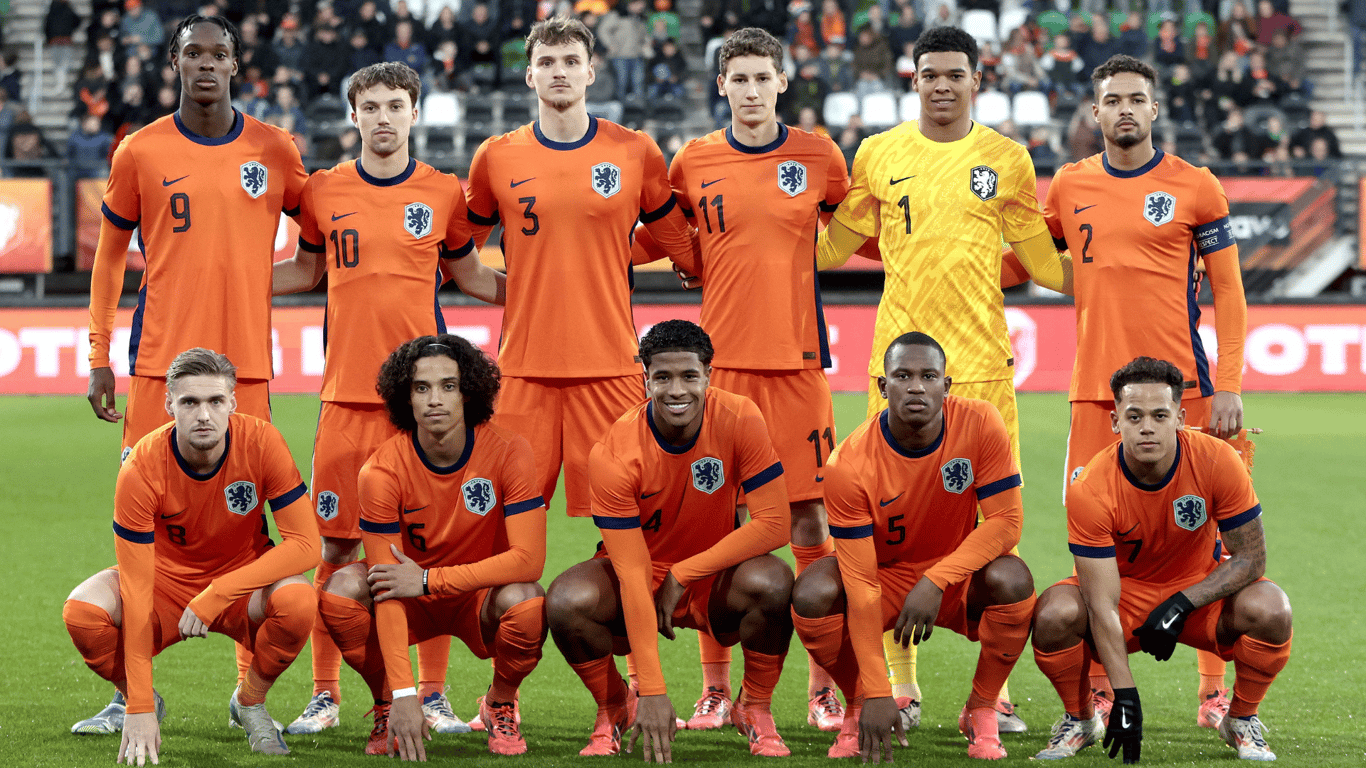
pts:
[606, 179]
[982, 182]
[1189, 512]
[417, 219]
[241, 497]
[957, 475]
[792, 177]
[254, 178]
[708, 475]
[328, 504]
[1159, 208]
[479, 497]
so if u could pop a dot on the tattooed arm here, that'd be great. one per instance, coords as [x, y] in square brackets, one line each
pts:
[1247, 545]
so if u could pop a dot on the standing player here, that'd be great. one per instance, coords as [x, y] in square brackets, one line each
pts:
[1142, 520]
[939, 194]
[453, 524]
[388, 221]
[666, 479]
[194, 556]
[902, 492]
[756, 193]
[568, 189]
[1139, 219]
[205, 188]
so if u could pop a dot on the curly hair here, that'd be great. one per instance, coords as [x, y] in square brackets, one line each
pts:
[479, 378]
[1148, 370]
[676, 336]
[190, 21]
[750, 41]
[1123, 63]
[946, 40]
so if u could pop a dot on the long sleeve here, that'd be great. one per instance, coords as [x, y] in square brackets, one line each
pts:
[999, 531]
[524, 560]
[863, 611]
[1230, 316]
[769, 528]
[631, 562]
[106, 285]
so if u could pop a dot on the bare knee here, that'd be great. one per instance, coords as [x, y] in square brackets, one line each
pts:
[350, 582]
[1059, 618]
[102, 591]
[1007, 580]
[766, 580]
[572, 597]
[818, 591]
[508, 595]
[1262, 611]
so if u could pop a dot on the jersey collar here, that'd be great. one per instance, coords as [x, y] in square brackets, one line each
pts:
[1155, 486]
[565, 146]
[667, 446]
[185, 466]
[769, 147]
[389, 182]
[1139, 171]
[920, 454]
[452, 469]
[238, 123]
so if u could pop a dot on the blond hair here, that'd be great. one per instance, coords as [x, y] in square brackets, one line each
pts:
[200, 362]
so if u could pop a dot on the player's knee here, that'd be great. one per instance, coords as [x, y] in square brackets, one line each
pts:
[509, 595]
[767, 580]
[1264, 609]
[101, 590]
[568, 601]
[817, 591]
[1008, 580]
[294, 605]
[349, 582]
[1059, 616]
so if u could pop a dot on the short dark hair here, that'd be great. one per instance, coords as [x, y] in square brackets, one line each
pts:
[750, 41]
[187, 23]
[946, 39]
[479, 378]
[559, 30]
[1123, 63]
[676, 336]
[391, 74]
[914, 339]
[1148, 370]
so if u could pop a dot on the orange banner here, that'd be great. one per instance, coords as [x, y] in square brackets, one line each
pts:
[25, 225]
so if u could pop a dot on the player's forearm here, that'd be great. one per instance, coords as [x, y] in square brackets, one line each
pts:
[631, 562]
[1013, 273]
[106, 285]
[863, 612]
[137, 574]
[835, 244]
[996, 535]
[672, 237]
[298, 551]
[300, 272]
[769, 527]
[391, 626]
[522, 562]
[1046, 266]
[1247, 544]
[1100, 589]
[1230, 316]
[478, 279]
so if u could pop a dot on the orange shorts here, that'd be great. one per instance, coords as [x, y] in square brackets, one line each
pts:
[168, 605]
[348, 433]
[563, 419]
[999, 393]
[1137, 599]
[1092, 431]
[897, 581]
[145, 409]
[801, 420]
[454, 615]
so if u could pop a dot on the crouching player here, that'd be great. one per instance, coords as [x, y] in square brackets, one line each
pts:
[664, 482]
[902, 493]
[1143, 519]
[194, 555]
[454, 534]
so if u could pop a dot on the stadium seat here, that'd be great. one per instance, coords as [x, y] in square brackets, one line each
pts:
[672, 23]
[1030, 108]
[991, 108]
[839, 107]
[910, 106]
[1154, 24]
[880, 110]
[1010, 20]
[516, 111]
[1053, 21]
[513, 56]
[437, 120]
[1117, 22]
[981, 24]
[1188, 31]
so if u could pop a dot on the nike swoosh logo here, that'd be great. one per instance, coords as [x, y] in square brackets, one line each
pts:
[706, 184]
[820, 479]
[898, 181]
[517, 184]
[166, 183]
[1169, 622]
[178, 514]
[889, 501]
[1124, 720]
[335, 217]
[648, 495]
[415, 509]
[1076, 210]
[1131, 530]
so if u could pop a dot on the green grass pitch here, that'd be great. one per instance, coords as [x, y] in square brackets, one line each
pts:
[57, 469]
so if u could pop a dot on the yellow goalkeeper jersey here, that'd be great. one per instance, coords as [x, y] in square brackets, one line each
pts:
[940, 211]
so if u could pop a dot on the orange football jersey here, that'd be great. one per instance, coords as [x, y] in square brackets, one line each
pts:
[1162, 534]
[568, 211]
[204, 536]
[207, 211]
[1135, 237]
[382, 239]
[757, 210]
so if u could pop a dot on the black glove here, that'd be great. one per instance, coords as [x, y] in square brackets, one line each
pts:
[1126, 725]
[1158, 634]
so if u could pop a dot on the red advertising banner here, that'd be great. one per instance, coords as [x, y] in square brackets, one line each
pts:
[1288, 349]
[25, 225]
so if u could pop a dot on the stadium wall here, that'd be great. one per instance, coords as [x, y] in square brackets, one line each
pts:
[1289, 348]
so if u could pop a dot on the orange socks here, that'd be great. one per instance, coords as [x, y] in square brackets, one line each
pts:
[1212, 670]
[1255, 665]
[243, 655]
[761, 676]
[1065, 670]
[291, 613]
[517, 647]
[352, 630]
[326, 658]
[433, 657]
[96, 639]
[828, 645]
[601, 678]
[1003, 632]
[816, 676]
[715, 663]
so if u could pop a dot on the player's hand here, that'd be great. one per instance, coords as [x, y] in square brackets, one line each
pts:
[391, 580]
[1159, 632]
[666, 600]
[689, 280]
[192, 626]
[918, 613]
[1126, 726]
[880, 719]
[407, 730]
[101, 394]
[1225, 414]
[141, 739]
[655, 721]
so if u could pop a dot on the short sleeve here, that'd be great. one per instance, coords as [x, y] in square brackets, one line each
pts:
[846, 501]
[612, 490]
[311, 238]
[519, 490]
[836, 178]
[481, 205]
[1052, 209]
[135, 502]
[1021, 217]
[995, 467]
[860, 210]
[457, 243]
[122, 198]
[296, 177]
[656, 196]
[284, 485]
[1089, 523]
[756, 456]
[678, 180]
[1235, 501]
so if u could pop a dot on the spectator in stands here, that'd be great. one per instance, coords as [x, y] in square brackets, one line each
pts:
[407, 49]
[1320, 160]
[1278, 138]
[1010, 130]
[1182, 95]
[989, 64]
[8, 114]
[1231, 88]
[806, 90]
[872, 61]
[87, 150]
[402, 13]
[1285, 61]
[140, 24]
[837, 67]
[834, 27]
[105, 23]
[1238, 32]
[1266, 88]
[290, 48]
[907, 28]
[362, 53]
[481, 38]
[803, 30]
[1133, 36]
[1041, 149]
[59, 26]
[1270, 21]
[1100, 46]
[350, 145]
[1301, 144]
[443, 29]
[92, 93]
[285, 108]
[1063, 67]
[518, 16]
[941, 13]
[625, 36]
[850, 137]
[108, 56]
[809, 120]
[905, 65]
[1083, 134]
[1238, 142]
[1202, 55]
[325, 62]
[449, 71]
[1355, 11]
[668, 70]
[27, 145]
[1169, 50]
[374, 24]
[167, 102]
[601, 96]
[255, 51]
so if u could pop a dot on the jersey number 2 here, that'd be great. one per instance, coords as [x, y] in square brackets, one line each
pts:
[1086, 247]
